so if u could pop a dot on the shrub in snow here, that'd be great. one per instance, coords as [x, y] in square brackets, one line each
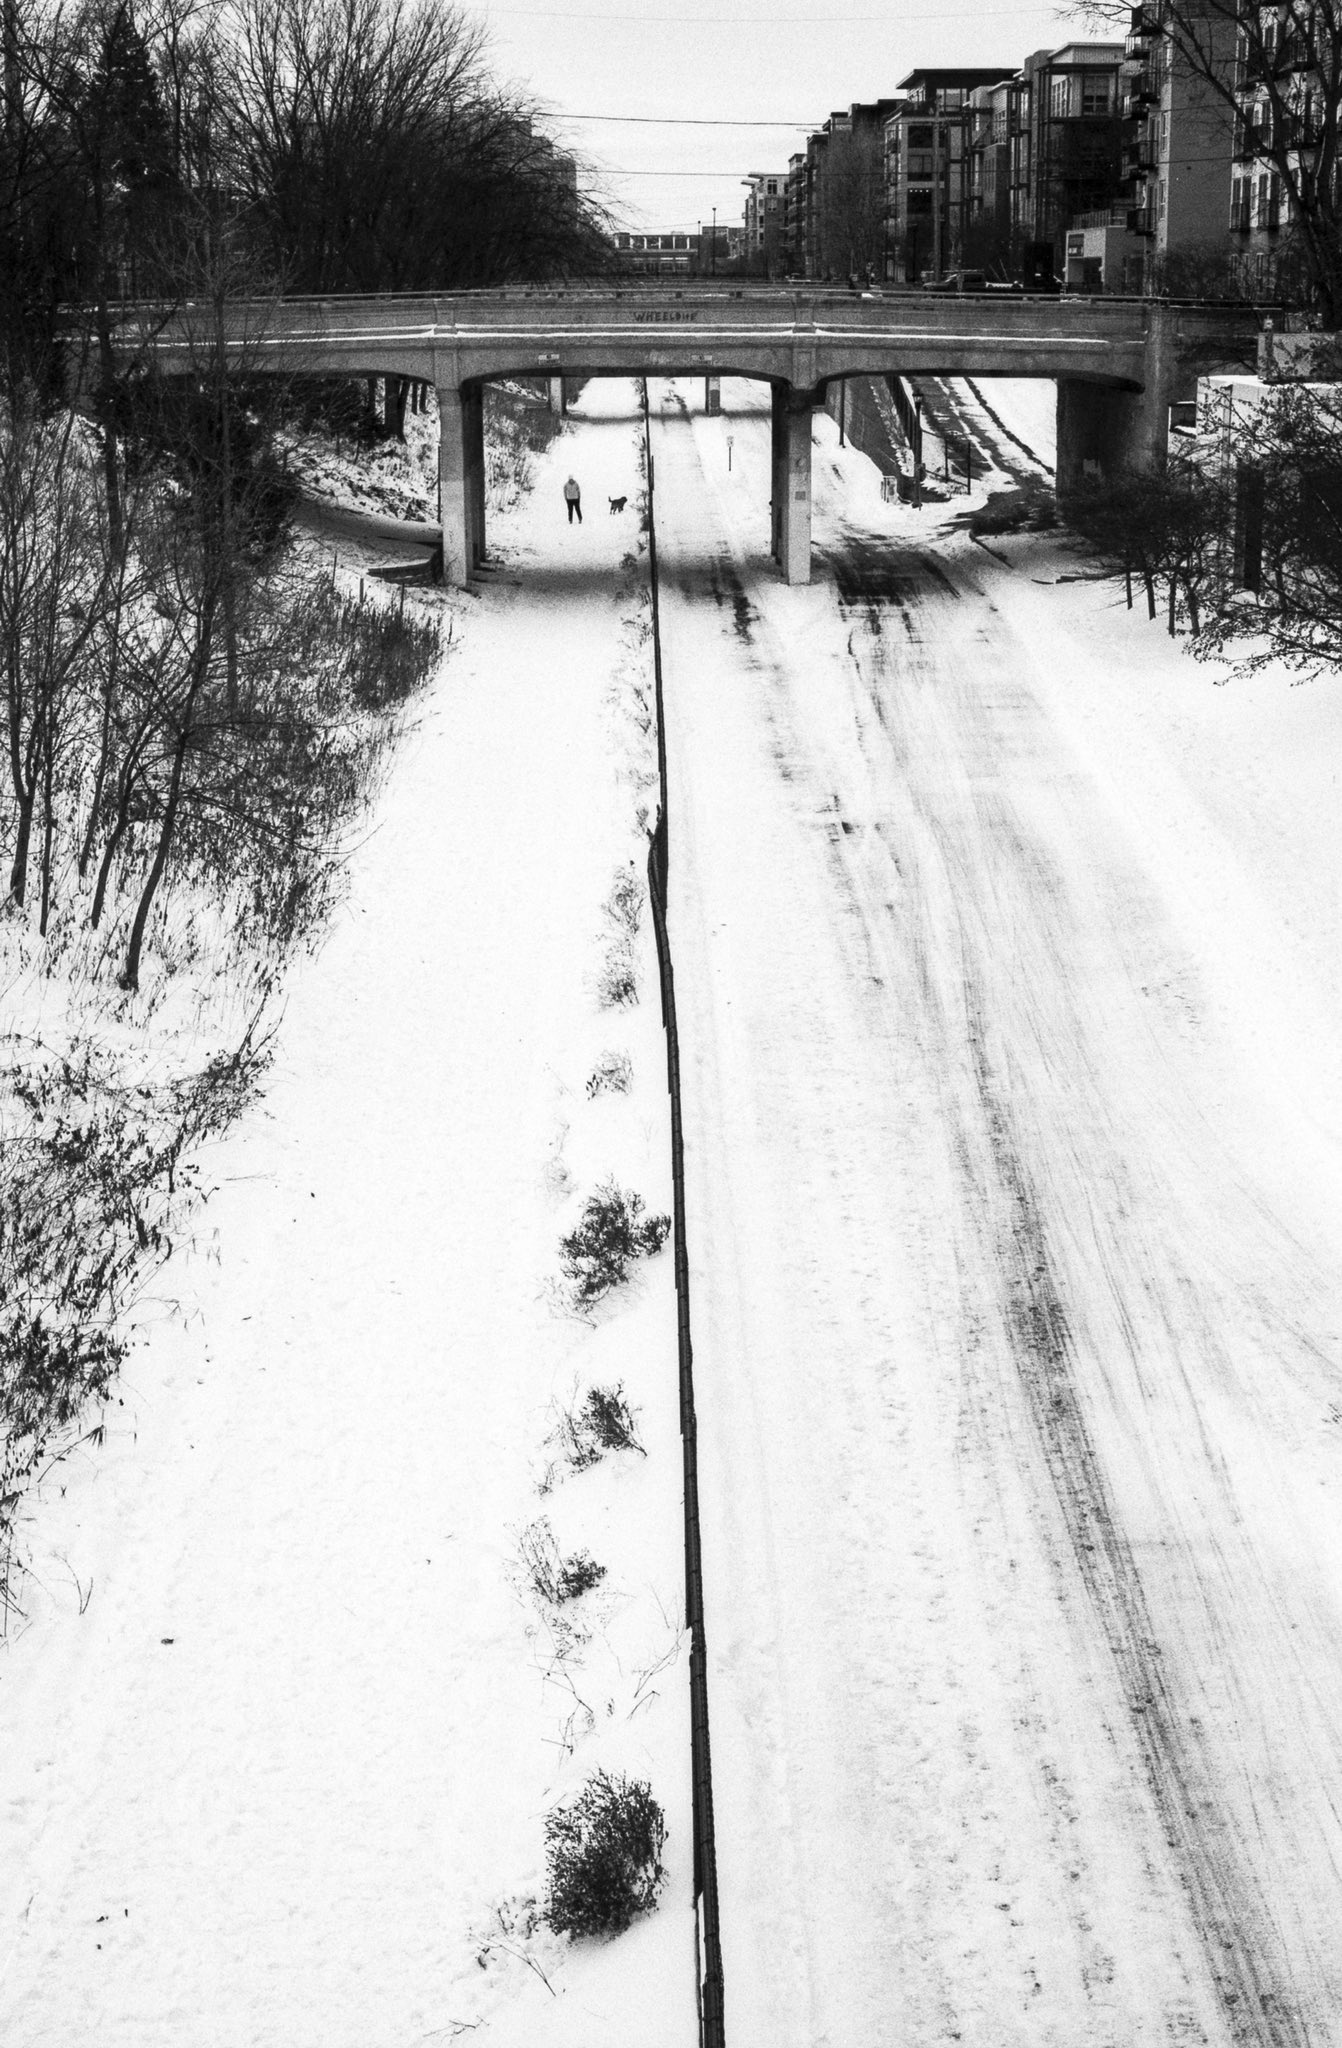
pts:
[611, 1075]
[604, 1422]
[518, 426]
[613, 1233]
[94, 1161]
[624, 905]
[386, 652]
[604, 1856]
[555, 1578]
[617, 983]
[577, 1575]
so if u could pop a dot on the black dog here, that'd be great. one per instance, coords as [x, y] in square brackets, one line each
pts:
[617, 504]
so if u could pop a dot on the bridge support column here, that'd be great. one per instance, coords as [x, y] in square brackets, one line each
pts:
[791, 467]
[558, 400]
[1102, 432]
[473, 441]
[461, 479]
[712, 395]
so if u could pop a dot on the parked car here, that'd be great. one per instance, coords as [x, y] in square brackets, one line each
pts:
[956, 281]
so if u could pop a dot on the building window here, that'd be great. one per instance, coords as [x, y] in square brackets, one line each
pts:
[1095, 93]
[921, 137]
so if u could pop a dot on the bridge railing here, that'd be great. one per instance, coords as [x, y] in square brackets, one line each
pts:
[811, 294]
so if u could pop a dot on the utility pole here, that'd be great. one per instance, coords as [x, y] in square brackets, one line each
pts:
[713, 258]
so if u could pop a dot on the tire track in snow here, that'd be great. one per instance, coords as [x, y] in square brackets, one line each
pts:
[874, 577]
[1235, 1920]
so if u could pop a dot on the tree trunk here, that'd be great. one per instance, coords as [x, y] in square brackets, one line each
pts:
[130, 977]
[25, 777]
[107, 387]
[114, 840]
[48, 832]
[104, 744]
[226, 537]
[18, 873]
[118, 832]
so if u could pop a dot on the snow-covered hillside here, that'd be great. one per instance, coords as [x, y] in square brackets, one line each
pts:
[286, 1716]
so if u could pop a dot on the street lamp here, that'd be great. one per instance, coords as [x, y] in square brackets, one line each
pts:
[713, 259]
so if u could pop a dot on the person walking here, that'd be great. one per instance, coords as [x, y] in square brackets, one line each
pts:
[573, 499]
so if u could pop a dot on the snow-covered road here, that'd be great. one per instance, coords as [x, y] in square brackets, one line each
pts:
[1011, 1121]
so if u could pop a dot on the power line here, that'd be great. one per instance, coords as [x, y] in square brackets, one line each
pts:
[680, 121]
[812, 21]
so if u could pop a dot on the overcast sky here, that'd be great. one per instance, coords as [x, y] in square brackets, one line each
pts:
[744, 64]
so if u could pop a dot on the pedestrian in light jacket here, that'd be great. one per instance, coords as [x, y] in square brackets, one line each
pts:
[573, 499]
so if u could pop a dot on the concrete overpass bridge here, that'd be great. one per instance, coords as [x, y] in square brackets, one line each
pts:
[1119, 363]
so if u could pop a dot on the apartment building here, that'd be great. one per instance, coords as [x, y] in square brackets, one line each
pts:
[1177, 151]
[925, 171]
[1072, 163]
[996, 141]
[1287, 100]
[1046, 201]
[762, 233]
[794, 215]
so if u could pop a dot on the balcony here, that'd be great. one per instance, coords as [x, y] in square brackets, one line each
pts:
[1144, 29]
[1141, 93]
[1302, 131]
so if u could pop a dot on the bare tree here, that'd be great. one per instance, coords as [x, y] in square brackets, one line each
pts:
[54, 587]
[373, 151]
[850, 232]
[1280, 597]
[1166, 527]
